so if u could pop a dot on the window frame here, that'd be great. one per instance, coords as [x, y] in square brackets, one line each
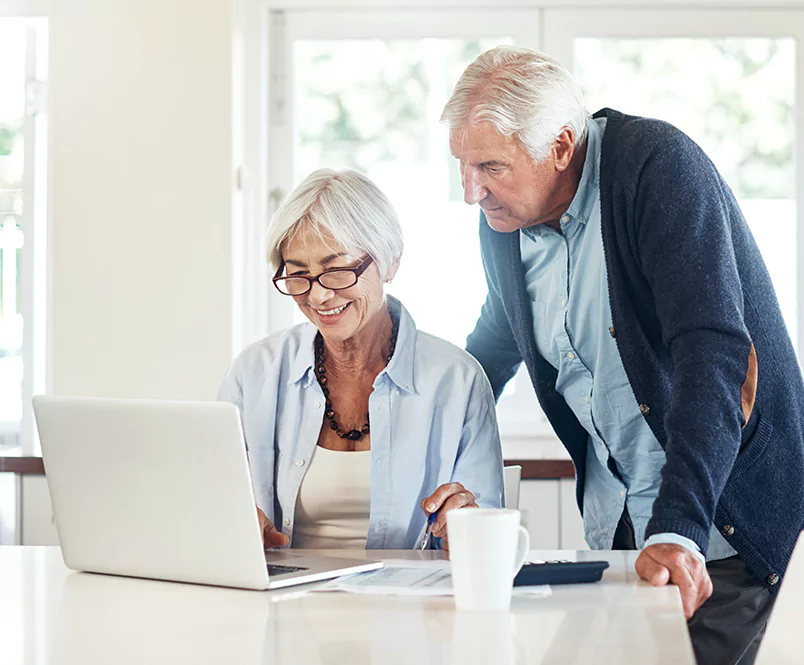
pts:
[34, 222]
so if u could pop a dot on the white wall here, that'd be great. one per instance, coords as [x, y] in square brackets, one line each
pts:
[142, 196]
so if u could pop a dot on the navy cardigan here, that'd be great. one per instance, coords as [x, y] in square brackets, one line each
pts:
[701, 338]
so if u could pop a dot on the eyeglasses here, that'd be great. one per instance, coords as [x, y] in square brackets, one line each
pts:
[334, 280]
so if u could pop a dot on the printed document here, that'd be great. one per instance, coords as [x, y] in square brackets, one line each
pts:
[400, 577]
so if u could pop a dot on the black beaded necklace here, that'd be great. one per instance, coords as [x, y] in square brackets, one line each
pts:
[321, 375]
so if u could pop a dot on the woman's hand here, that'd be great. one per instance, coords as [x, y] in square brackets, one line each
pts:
[445, 498]
[271, 537]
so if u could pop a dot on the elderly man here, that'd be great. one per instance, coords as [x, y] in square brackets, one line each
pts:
[621, 270]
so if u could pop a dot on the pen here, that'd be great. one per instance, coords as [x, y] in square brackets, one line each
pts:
[429, 530]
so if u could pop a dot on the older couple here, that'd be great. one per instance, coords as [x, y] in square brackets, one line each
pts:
[621, 271]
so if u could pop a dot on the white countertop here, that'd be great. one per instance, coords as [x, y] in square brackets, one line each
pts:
[50, 615]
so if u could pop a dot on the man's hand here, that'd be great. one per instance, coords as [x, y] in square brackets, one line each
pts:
[663, 563]
[271, 537]
[445, 498]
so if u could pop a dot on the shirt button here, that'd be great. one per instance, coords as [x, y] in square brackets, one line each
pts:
[622, 492]
[318, 405]
[586, 399]
[379, 464]
[571, 355]
[563, 243]
[299, 462]
[727, 530]
[563, 302]
[286, 521]
[612, 332]
[773, 579]
[565, 219]
[645, 409]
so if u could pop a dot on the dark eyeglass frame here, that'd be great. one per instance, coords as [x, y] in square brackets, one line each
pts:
[357, 271]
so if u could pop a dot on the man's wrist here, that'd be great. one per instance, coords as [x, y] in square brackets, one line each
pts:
[675, 539]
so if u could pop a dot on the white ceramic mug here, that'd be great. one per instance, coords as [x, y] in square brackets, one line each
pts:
[487, 547]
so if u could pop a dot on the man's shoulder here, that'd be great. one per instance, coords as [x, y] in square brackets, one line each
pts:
[643, 137]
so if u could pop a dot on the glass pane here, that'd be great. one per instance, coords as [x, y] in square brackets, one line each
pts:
[734, 97]
[12, 115]
[374, 105]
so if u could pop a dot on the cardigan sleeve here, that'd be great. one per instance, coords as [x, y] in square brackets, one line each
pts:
[686, 216]
[492, 341]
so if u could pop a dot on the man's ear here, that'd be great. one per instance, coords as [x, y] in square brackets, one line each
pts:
[392, 270]
[563, 148]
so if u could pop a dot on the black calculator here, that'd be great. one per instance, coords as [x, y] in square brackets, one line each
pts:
[560, 572]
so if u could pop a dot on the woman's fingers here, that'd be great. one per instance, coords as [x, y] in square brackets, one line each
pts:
[447, 497]
[271, 536]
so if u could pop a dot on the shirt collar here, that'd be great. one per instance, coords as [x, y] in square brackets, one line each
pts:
[580, 209]
[302, 365]
[583, 203]
[399, 370]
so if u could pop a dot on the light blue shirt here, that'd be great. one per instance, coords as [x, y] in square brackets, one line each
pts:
[432, 422]
[566, 280]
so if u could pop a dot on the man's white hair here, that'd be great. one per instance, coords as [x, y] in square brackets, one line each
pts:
[522, 93]
[345, 205]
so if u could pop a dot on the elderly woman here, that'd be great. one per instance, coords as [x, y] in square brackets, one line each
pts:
[358, 425]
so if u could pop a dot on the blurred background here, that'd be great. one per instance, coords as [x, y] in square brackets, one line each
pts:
[143, 147]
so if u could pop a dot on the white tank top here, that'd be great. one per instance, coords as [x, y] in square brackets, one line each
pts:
[332, 509]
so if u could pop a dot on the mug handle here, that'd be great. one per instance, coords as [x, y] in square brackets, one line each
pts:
[522, 549]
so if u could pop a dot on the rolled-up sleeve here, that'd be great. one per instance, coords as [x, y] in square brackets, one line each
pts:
[479, 463]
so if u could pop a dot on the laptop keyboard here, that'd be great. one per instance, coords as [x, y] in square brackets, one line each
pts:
[276, 569]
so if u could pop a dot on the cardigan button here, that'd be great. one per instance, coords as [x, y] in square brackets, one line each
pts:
[612, 332]
[645, 409]
[773, 579]
[727, 530]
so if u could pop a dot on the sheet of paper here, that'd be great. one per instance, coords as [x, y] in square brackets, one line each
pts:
[399, 577]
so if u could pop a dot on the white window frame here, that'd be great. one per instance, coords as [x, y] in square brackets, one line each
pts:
[34, 273]
[562, 27]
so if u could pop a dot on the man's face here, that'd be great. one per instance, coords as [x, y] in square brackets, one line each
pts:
[514, 191]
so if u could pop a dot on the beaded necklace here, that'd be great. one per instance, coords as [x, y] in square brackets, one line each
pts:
[321, 375]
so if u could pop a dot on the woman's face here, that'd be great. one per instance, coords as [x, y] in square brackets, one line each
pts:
[338, 315]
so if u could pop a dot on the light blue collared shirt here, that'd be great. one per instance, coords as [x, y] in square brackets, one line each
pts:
[432, 422]
[566, 280]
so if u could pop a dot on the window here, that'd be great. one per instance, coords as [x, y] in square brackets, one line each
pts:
[367, 93]
[22, 237]
[365, 89]
[729, 82]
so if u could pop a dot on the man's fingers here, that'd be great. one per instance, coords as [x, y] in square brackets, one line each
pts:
[688, 590]
[669, 563]
[652, 571]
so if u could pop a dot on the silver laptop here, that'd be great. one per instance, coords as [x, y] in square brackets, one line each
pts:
[162, 490]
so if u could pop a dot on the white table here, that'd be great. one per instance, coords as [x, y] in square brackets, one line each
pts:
[50, 615]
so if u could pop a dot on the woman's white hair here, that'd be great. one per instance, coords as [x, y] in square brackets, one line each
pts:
[522, 93]
[344, 205]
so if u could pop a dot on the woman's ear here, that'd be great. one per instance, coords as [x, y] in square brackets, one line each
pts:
[392, 270]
